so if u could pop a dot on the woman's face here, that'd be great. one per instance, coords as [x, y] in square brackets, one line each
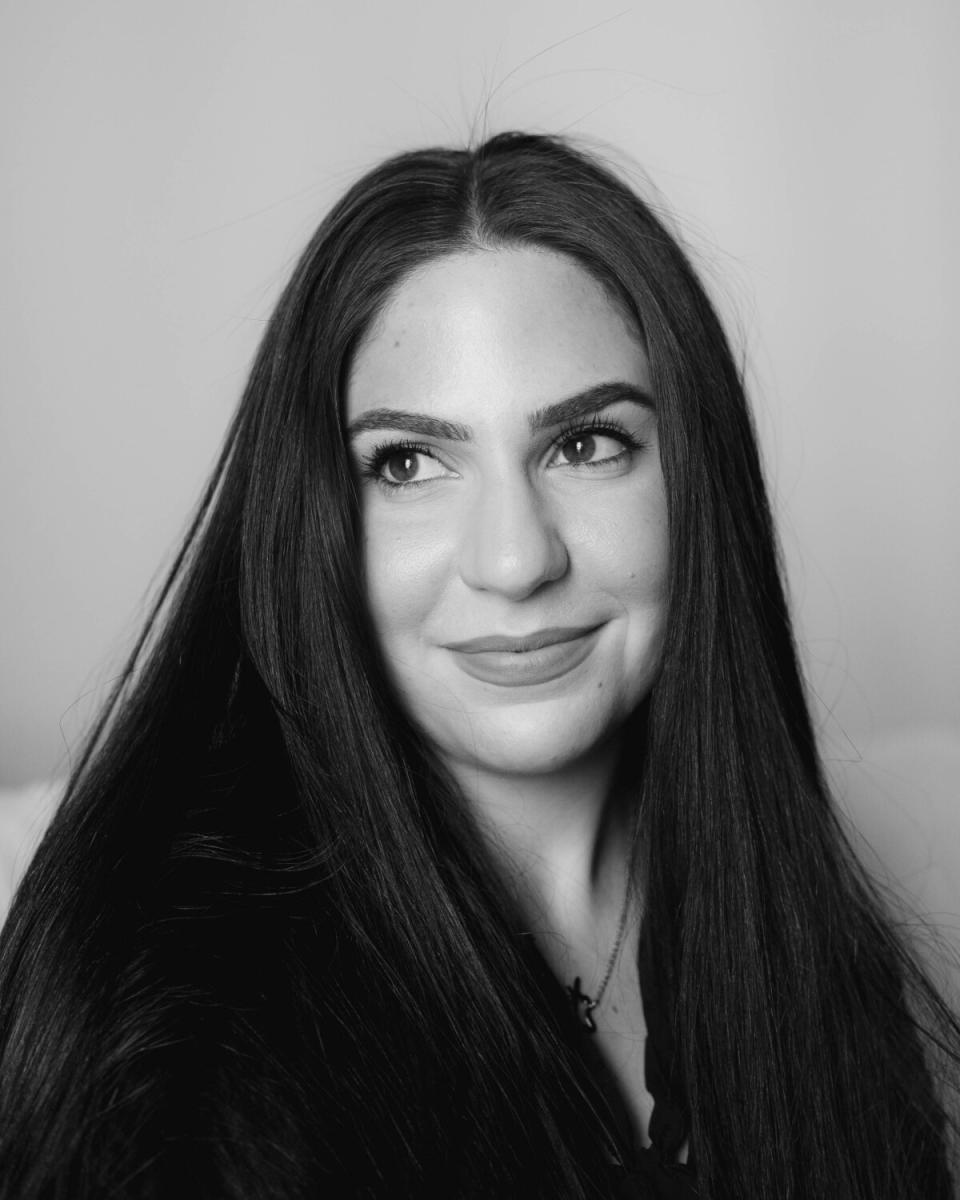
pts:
[513, 508]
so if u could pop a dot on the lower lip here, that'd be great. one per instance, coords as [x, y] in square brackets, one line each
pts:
[527, 667]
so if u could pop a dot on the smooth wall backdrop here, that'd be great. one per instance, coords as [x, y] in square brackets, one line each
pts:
[162, 165]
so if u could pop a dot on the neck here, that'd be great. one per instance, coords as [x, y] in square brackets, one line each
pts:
[563, 840]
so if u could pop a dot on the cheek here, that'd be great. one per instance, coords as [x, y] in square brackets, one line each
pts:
[651, 558]
[405, 577]
[626, 550]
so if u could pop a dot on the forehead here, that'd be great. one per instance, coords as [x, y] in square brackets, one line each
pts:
[516, 326]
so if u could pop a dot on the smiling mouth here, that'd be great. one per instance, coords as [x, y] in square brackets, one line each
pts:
[497, 644]
[525, 661]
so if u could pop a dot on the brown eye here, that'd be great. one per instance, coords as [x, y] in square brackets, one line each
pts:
[593, 448]
[399, 467]
[580, 448]
[402, 467]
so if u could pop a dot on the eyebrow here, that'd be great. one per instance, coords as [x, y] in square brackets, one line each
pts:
[582, 404]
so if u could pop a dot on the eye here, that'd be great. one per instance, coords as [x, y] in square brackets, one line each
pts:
[591, 448]
[403, 466]
[396, 466]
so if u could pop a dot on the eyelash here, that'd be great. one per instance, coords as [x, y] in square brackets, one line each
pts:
[372, 463]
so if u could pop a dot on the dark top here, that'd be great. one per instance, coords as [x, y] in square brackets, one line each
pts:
[653, 1172]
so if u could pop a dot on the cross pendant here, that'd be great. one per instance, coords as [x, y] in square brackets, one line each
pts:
[583, 1006]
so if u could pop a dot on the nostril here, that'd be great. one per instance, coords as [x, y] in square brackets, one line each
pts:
[511, 544]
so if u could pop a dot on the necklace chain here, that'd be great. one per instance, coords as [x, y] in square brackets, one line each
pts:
[584, 1004]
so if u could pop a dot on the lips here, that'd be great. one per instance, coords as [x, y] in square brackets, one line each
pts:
[534, 658]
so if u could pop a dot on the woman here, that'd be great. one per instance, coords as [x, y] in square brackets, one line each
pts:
[457, 828]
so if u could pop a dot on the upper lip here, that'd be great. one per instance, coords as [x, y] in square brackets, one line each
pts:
[528, 641]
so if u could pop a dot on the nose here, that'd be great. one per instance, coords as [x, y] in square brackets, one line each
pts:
[510, 543]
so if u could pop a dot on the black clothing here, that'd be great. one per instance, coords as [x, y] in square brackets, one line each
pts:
[653, 1172]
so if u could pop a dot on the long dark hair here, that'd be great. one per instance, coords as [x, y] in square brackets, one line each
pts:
[262, 950]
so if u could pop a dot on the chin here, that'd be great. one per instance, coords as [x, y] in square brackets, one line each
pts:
[529, 743]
